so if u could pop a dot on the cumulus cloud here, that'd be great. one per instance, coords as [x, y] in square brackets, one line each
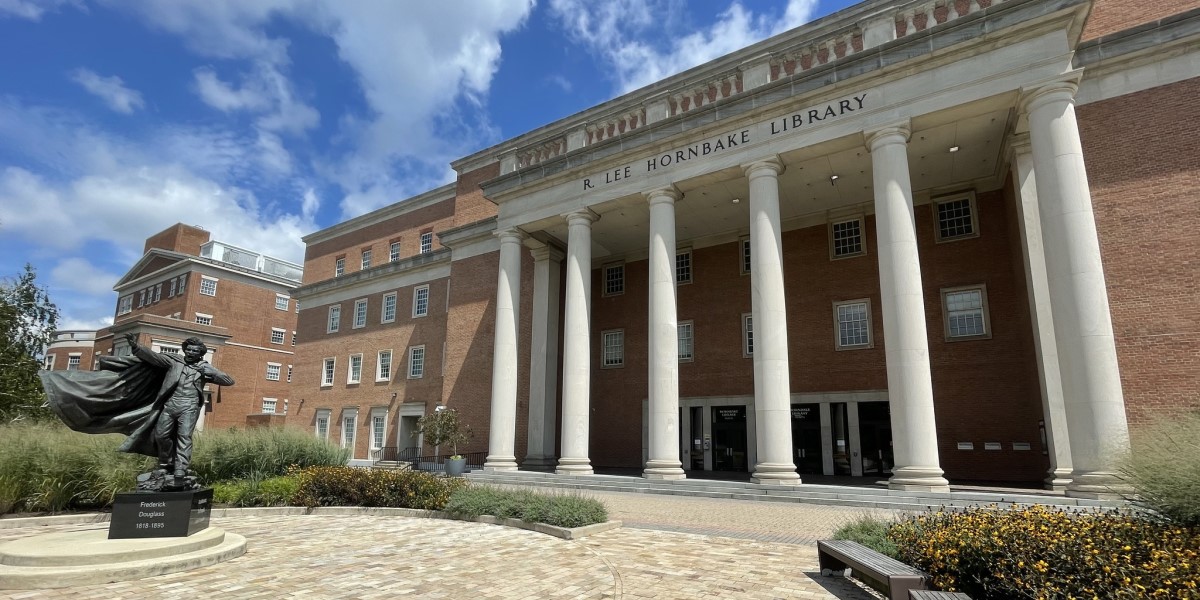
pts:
[264, 90]
[111, 90]
[81, 275]
[641, 46]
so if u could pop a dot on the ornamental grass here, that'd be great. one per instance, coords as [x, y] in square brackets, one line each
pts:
[1049, 553]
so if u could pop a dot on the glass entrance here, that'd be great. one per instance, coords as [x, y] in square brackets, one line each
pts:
[696, 462]
[875, 433]
[840, 426]
[729, 438]
[806, 437]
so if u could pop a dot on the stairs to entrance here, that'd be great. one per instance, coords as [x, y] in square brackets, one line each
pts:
[837, 495]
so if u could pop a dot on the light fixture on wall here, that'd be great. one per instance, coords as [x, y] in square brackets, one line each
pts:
[954, 148]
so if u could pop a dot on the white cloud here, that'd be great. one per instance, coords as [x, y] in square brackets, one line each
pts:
[111, 90]
[640, 45]
[80, 275]
[68, 322]
[33, 10]
[264, 90]
[222, 96]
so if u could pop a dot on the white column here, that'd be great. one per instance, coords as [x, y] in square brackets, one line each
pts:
[543, 363]
[772, 382]
[905, 341]
[502, 432]
[1083, 332]
[663, 361]
[577, 343]
[1054, 415]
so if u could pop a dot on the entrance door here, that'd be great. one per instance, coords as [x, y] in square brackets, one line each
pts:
[806, 437]
[875, 435]
[696, 455]
[729, 438]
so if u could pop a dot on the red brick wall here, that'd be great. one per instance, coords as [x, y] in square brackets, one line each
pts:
[1141, 152]
[319, 258]
[1111, 16]
[178, 238]
[470, 205]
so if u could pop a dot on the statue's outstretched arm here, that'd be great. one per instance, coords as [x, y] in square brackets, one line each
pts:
[150, 357]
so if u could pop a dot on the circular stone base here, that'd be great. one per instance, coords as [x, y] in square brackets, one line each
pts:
[87, 557]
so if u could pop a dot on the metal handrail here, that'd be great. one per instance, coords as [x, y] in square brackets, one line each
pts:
[436, 463]
[395, 454]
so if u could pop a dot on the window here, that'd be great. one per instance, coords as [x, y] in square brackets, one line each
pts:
[394, 251]
[293, 339]
[845, 238]
[427, 242]
[73, 363]
[327, 371]
[125, 306]
[955, 217]
[158, 292]
[355, 373]
[747, 335]
[965, 311]
[613, 354]
[208, 286]
[339, 266]
[378, 427]
[281, 302]
[744, 243]
[289, 379]
[416, 362]
[277, 335]
[323, 425]
[171, 288]
[853, 324]
[348, 423]
[686, 342]
[335, 319]
[182, 283]
[389, 308]
[366, 259]
[614, 279]
[141, 298]
[204, 319]
[49, 362]
[360, 313]
[268, 406]
[383, 367]
[683, 266]
[273, 371]
[421, 301]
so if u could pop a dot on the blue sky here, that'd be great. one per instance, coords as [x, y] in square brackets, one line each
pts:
[265, 120]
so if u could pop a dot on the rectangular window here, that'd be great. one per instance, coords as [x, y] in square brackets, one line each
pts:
[683, 266]
[327, 371]
[747, 335]
[277, 335]
[348, 424]
[389, 308]
[378, 427]
[853, 324]
[293, 339]
[383, 368]
[355, 373]
[394, 251]
[339, 266]
[335, 319]
[955, 217]
[366, 259]
[182, 283]
[273, 371]
[268, 406]
[966, 315]
[289, 379]
[421, 301]
[686, 341]
[360, 313]
[141, 298]
[614, 349]
[49, 366]
[323, 426]
[281, 302]
[427, 242]
[73, 363]
[416, 362]
[204, 319]
[845, 238]
[171, 288]
[125, 306]
[744, 244]
[614, 279]
[208, 286]
[158, 292]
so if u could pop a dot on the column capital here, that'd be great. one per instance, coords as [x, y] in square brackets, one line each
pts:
[1063, 90]
[771, 165]
[1018, 143]
[664, 194]
[547, 252]
[583, 214]
[896, 133]
[511, 235]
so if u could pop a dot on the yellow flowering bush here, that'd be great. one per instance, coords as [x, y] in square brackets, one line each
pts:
[350, 486]
[1049, 553]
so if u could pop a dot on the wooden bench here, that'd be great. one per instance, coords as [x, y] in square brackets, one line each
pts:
[894, 577]
[931, 595]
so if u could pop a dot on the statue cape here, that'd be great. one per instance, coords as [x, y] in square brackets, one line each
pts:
[124, 396]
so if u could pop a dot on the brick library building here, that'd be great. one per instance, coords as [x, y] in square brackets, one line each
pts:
[914, 241]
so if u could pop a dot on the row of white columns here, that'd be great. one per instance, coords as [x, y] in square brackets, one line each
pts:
[1072, 279]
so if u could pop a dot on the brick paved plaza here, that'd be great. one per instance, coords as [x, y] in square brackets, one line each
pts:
[671, 547]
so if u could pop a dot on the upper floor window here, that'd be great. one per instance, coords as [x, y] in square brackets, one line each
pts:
[281, 302]
[182, 283]
[366, 259]
[853, 324]
[747, 335]
[389, 308]
[683, 266]
[49, 365]
[421, 301]
[339, 266]
[613, 353]
[273, 370]
[965, 312]
[614, 279]
[277, 335]
[744, 246]
[268, 406]
[416, 362]
[327, 371]
[208, 286]
[171, 288]
[204, 319]
[73, 363]
[383, 369]
[125, 306]
[394, 251]
[354, 374]
[427, 242]
[687, 345]
[955, 217]
[360, 313]
[845, 238]
[158, 292]
[335, 318]
[141, 298]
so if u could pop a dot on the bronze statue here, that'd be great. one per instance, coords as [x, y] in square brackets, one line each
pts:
[153, 398]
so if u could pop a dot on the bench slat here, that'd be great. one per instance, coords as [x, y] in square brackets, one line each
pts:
[932, 595]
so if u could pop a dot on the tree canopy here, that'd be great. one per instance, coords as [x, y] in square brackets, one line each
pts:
[27, 322]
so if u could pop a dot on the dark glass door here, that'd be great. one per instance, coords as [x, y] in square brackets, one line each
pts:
[840, 425]
[729, 438]
[806, 437]
[696, 414]
[875, 433]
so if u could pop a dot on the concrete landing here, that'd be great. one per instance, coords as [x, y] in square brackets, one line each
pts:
[86, 557]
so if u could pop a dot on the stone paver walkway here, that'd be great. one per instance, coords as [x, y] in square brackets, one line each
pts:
[383, 557]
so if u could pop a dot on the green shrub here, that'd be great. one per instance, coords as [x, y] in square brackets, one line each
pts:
[869, 531]
[276, 491]
[1164, 468]
[1044, 552]
[350, 486]
[560, 510]
[260, 452]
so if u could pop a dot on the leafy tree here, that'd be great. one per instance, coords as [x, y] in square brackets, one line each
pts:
[27, 322]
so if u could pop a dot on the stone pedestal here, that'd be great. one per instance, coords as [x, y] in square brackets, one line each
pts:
[160, 514]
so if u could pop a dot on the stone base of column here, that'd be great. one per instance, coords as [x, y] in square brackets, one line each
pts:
[1098, 485]
[540, 463]
[775, 474]
[664, 469]
[574, 466]
[499, 463]
[1057, 480]
[918, 479]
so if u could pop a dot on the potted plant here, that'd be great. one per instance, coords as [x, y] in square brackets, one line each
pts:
[443, 426]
